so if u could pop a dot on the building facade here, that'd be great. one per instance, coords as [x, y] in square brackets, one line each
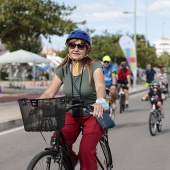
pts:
[162, 45]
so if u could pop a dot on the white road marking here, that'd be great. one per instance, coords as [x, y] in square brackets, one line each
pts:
[11, 130]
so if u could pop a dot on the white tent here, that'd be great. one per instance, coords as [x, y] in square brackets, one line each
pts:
[55, 60]
[22, 56]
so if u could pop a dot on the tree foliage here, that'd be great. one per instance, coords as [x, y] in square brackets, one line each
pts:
[28, 19]
[32, 44]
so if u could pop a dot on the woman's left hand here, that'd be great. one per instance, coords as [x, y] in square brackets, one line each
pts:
[98, 110]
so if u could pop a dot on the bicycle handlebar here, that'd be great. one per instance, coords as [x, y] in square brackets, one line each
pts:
[88, 108]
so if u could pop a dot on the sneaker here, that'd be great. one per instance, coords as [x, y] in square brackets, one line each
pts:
[114, 106]
[126, 105]
[162, 115]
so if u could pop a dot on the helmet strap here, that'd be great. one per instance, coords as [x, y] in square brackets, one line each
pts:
[77, 67]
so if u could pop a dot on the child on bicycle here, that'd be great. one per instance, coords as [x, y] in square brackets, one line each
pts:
[156, 93]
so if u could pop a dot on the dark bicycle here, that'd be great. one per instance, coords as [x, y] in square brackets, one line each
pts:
[49, 115]
[121, 97]
[155, 120]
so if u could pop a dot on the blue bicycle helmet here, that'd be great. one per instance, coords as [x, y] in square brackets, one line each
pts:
[79, 34]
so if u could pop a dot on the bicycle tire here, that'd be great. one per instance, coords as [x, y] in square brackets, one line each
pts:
[120, 104]
[123, 102]
[104, 156]
[47, 160]
[152, 123]
[159, 122]
[159, 126]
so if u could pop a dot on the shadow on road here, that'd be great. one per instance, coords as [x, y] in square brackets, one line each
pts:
[136, 110]
[132, 124]
[165, 131]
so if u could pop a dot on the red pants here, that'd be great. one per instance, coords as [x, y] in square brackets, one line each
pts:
[92, 133]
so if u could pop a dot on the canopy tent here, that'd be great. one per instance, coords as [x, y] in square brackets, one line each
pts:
[22, 56]
[45, 68]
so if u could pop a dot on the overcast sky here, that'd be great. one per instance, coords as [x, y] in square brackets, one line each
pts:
[152, 18]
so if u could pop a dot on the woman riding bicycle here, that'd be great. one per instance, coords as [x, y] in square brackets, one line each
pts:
[81, 77]
[156, 93]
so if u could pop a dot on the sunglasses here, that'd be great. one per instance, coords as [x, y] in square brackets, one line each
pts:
[155, 87]
[106, 61]
[74, 45]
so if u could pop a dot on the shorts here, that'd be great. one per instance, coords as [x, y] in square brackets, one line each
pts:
[124, 83]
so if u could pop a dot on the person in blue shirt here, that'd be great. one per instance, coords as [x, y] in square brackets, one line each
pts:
[150, 75]
[110, 72]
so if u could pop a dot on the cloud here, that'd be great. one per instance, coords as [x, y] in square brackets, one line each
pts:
[160, 5]
[99, 16]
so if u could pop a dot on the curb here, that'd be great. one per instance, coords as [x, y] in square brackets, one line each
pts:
[18, 122]
[11, 124]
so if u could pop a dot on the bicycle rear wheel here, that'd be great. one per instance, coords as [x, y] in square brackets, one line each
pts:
[153, 123]
[47, 160]
[104, 157]
[121, 103]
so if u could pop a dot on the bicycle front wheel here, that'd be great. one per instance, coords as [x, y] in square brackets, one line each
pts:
[104, 156]
[153, 123]
[121, 103]
[47, 160]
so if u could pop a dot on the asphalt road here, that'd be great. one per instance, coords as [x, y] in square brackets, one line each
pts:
[132, 146]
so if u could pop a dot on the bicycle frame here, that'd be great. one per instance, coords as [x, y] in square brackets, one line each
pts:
[58, 154]
[154, 119]
[122, 97]
[59, 145]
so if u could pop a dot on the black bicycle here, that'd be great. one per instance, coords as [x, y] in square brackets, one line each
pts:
[121, 97]
[49, 115]
[155, 120]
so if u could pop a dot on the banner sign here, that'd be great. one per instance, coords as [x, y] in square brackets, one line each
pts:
[128, 47]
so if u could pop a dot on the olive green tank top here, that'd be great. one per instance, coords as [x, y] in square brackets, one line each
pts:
[88, 91]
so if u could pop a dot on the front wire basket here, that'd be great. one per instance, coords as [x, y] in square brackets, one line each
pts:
[43, 114]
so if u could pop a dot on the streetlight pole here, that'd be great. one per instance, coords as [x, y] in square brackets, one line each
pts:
[134, 12]
[135, 23]
[134, 37]
[134, 80]
[146, 24]
[163, 29]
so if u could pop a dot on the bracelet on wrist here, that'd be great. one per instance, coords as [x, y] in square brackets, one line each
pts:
[103, 102]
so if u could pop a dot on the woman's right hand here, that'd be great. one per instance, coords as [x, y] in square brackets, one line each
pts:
[98, 110]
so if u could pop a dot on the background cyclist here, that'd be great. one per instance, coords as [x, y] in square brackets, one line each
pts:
[78, 69]
[110, 72]
[124, 77]
[156, 93]
[162, 76]
[149, 75]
